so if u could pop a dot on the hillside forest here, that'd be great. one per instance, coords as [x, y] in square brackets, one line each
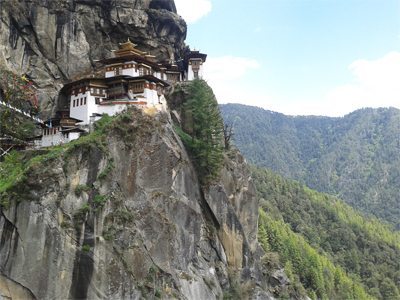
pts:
[355, 157]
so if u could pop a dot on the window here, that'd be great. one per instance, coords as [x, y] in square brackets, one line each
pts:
[73, 103]
[97, 100]
[84, 102]
[137, 87]
[81, 101]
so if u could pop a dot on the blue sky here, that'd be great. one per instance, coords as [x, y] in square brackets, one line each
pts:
[324, 57]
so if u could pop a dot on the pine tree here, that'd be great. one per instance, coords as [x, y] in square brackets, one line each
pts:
[203, 130]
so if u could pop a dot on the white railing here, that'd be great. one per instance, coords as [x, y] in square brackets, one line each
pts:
[8, 105]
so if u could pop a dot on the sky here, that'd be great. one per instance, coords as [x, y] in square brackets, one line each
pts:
[299, 57]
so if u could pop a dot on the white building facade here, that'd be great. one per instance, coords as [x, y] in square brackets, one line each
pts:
[56, 136]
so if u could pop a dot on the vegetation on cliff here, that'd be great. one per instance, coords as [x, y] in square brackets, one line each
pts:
[202, 132]
[18, 167]
[18, 91]
[310, 272]
[355, 158]
[320, 239]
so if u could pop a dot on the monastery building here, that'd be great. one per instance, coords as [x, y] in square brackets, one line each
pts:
[130, 77]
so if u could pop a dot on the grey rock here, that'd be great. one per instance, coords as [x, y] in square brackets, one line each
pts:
[153, 236]
[279, 278]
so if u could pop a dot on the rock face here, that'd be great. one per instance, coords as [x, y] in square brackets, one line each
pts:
[53, 41]
[127, 219]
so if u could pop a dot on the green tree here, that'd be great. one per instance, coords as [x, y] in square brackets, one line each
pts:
[202, 131]
[356, 157]
[19, 92]
[367, 250]
[389, 290]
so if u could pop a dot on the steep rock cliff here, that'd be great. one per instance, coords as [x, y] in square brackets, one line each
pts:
[53, 41]
[120, 214]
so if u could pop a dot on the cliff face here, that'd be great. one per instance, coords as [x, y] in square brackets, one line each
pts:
[53, 41]
[123, 216]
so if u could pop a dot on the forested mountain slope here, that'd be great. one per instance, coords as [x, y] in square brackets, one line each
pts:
[317, 237]
[356, 157]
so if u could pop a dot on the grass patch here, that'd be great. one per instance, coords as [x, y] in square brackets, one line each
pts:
[86, 248]
[80, 188]
[100, 200]
[18, 166]
[65, 224]
[124, 216]
[109, 233]
[80, 215]
[11, 171]
[107, 170]
[5, 201]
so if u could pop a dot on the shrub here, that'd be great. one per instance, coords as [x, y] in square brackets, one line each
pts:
[85, 248]
[81, 188]
[80, 215]
[107, 170]
[100, 200]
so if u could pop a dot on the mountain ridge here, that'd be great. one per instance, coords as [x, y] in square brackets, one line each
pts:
[355, 157]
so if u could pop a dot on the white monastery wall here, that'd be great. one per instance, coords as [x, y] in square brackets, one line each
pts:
[57, 139]
[130, 72]
[190, 73]
[78, 107]
[111, 109]
[85, 106]
[110, 74]
[151, 96]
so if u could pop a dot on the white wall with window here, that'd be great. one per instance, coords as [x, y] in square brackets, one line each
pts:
[195, 69]
[110, 73]
[53, 137]
[130, 69]
[82, 106]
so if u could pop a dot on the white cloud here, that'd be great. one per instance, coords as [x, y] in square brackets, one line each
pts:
[193, 10]
[376, 84]
[227, 76]
[226, 68]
